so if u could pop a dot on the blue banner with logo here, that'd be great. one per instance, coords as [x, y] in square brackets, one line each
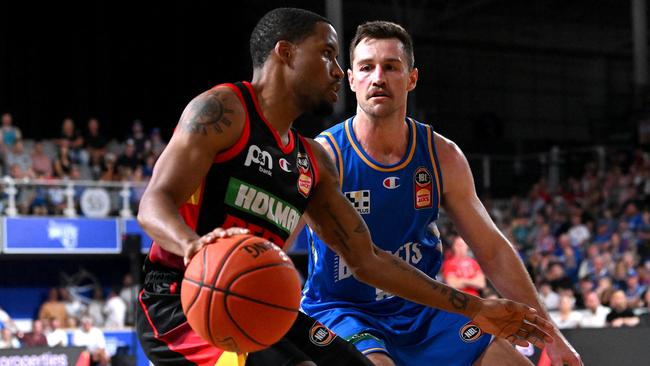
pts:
[61, 235]
[131, 227]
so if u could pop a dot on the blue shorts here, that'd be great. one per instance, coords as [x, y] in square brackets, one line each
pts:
[416, 335]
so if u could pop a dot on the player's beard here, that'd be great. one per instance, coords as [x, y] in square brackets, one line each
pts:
[320, 107]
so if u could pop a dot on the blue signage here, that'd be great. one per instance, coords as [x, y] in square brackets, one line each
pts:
[61, 235]
[132, 227]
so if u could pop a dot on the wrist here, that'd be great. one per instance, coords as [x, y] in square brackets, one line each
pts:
[474, 306]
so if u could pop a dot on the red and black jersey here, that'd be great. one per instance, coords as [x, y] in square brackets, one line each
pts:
[258, 183]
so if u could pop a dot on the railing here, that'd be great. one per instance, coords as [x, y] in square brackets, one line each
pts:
[95, 200]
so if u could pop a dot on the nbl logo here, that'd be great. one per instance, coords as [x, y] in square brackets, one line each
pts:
[320, 335]
[470, 333]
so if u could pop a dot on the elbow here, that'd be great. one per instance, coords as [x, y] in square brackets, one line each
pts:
[364, 268]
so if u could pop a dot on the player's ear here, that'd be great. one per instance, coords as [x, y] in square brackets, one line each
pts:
[351, 80]
[413, 79]
[284, 50]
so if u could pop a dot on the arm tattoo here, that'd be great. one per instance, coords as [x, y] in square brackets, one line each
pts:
[458, 300]
[338, 229]
[208, 112]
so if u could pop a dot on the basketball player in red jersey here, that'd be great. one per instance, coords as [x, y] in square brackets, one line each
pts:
[235, 162]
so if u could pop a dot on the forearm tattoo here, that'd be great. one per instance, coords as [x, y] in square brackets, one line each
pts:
[458, 300]
[208, 112]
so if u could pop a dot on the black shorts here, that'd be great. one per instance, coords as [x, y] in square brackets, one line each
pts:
[167, 338]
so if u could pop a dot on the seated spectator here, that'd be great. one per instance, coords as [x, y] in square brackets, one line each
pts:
[64, 160]
[595, 314]
[53, 307]
[35, 338]
[578, 233]
[621, 314]
[605, 289]
[644, 318]
[157, 145]
[92, 338]
[633, 290]
[7, 339]
[550, 298]
[6, 321]
[557, 277]
[10, 133]
[566, 317]
[94, 141]
[128, 160]
[71, 137]
[41, 162]
[109, 170]
[462, 271]
[139, 138]
[73, 306]
[56, 337]
[115, 310]
[96, 307]
[129, 293]
[18, 156]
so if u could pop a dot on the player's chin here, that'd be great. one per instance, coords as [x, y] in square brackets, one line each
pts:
[324, 108]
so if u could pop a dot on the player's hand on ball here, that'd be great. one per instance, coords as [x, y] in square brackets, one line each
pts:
[210, 238]
[516, 322]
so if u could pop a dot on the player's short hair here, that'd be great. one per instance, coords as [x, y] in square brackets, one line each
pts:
[281, 24]
[380, 29]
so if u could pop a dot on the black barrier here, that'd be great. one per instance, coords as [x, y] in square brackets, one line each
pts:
[41, 356]
[611, 346]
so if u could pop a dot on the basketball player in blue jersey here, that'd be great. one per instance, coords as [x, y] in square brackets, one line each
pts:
[398, 172]
[235, 161]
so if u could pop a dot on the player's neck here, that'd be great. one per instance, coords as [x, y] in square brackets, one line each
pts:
[275, 103]
[385, 140]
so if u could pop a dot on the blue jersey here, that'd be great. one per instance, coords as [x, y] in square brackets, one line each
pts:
[399, 203]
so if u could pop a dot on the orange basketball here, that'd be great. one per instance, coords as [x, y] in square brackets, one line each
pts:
[241, 293]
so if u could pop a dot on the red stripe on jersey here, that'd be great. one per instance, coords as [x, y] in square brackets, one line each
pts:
[235, 149]
[285, 149]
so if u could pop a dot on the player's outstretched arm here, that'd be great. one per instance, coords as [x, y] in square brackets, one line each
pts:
[211, 122]
[334, 219]
[491, 249]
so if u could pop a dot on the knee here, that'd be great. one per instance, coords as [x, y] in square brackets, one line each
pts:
[380, 359]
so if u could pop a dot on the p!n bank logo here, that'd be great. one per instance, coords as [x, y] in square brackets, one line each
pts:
[391, 182]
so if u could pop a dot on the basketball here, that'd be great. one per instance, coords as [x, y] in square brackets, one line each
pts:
[241, 294]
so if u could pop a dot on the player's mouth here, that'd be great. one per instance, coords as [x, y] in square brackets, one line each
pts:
[333, 92]
[378, 94]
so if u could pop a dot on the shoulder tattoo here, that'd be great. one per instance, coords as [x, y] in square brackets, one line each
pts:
[209, 112]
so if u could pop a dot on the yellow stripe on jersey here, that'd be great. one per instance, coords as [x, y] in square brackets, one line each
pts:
[195, 198]
[231, 359]
[375, 166]
[433, 162]
[338, 155]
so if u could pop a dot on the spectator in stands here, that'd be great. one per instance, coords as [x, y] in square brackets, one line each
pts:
[595, 314]
[566, 317]
[95, 308]
[462, 271]
[53, 307]
[129, 293]
[17, 155]
[7, 339]
[128, 160]
[115, 310]
[585, 286]
[139, 138]
[568, 256]
[644, 318]
[94, 141]
[621, 315]
[633, 290]
[549, 297]
[632, 216]
[56, 337]
[10, 133]
[644, 236]
[109, 169]
[41, 162]
[605, 290]
[6, 321]
[64, 160]
[72, 138]
[557, 277]
[157, 145]
[578, 233]
[35, 338]
[93, 339]
[147, 167]
[73, 306]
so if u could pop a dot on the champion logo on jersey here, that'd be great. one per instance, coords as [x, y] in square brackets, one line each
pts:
[360, 200]
[285, 165]
[391, 182]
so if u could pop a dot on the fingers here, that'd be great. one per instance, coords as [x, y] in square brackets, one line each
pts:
[540, 322]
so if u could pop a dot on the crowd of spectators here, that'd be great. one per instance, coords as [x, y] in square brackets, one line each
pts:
[585, 242]
[75, 154]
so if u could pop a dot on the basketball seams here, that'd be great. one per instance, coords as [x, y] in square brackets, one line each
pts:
[216, 277]
[203, 274]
